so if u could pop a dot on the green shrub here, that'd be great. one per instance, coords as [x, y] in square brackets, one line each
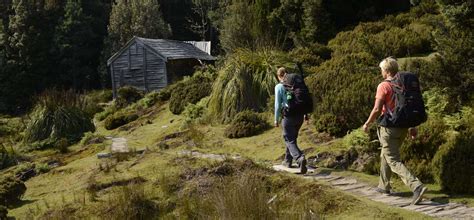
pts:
[94, 99]
[11, 189]
[399, 36]
[312, 55]
[454, 41]
[195, 112]
[11, 127]
[327, 122]
[107, 111]
[3, 212]
[100, 96]
[246, 80]
[344, 90]
[57, 115]
[246, 124]
[118, 119]
[356, 138]
[150, 99]
[165, 93]
[42, 168]
[7, 158]
[418, 153]
[435, 75]
[127, 95]
[453, 164]
[191, 92]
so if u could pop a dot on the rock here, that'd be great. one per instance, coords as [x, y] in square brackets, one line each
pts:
[163, 145]
[27, 174]
[119, 145]
[367, 162]
[54, 164]
[191, 143]
[104, 155]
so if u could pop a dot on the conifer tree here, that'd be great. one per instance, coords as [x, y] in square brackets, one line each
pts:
[30, 68]
[201, 24]
[246, 25]
[17, 81]
[141, 18]
[455, 42]
[73, 39]
[317, 26]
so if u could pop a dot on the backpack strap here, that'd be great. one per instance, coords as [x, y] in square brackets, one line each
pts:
[388, 110]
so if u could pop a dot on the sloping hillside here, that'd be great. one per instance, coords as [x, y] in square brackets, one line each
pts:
[160, 182]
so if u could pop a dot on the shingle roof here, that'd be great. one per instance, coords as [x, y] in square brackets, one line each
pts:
[169, 49]
[172, 49]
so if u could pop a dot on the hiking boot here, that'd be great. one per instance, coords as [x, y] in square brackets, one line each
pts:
[302, 164]
[384, 191]
[418, 194]
[287, 164]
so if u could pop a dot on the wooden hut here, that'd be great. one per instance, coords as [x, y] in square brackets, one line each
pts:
[152, 64]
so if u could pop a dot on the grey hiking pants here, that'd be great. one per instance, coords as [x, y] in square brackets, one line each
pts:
[291, 127]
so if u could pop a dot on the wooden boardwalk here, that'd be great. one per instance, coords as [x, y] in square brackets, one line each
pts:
[351, 185]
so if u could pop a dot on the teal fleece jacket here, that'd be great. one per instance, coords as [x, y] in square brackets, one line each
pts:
[280, 101]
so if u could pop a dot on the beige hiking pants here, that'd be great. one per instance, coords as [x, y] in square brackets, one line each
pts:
[391, 140]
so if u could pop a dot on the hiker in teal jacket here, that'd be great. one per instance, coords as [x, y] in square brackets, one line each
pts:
[291, 126]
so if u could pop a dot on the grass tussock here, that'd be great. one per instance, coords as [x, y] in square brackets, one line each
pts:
[242, 189]
[246, 81]
[67, 211]
[58, 115]
[246, 197]
[129, 202]
[8, 157]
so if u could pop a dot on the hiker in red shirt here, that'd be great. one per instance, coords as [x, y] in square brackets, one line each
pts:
[391, 138]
